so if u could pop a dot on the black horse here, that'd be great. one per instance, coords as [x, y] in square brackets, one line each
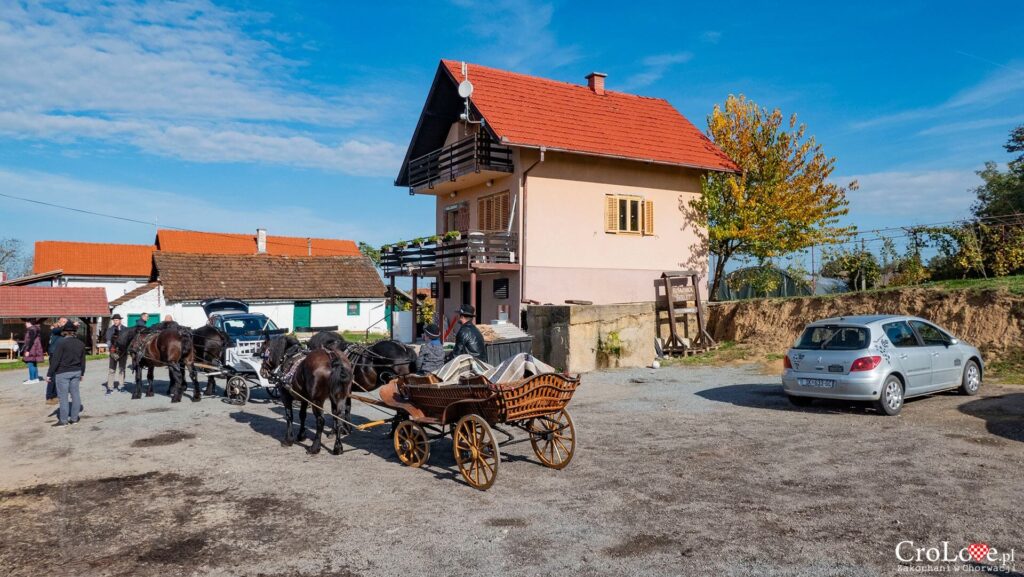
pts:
[375, 365]
[321, 375]
[329, 340]
[209, 344]
[167, 345]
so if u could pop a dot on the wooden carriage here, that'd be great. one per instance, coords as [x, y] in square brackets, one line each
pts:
[472, 410]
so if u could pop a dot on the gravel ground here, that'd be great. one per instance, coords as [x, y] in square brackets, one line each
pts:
[679, 471]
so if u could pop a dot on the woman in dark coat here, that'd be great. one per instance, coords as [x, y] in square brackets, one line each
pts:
[32, 351]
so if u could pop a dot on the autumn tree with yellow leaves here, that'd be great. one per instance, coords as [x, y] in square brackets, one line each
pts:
[781, 202]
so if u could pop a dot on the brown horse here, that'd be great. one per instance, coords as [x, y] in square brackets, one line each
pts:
[162, 346]
[321, 374]
[208, 344]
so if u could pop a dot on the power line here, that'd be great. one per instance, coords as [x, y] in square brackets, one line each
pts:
[156, 225]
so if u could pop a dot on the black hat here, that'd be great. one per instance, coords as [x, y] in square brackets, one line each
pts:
[432, 331]
[69, 327]
[467, 311]
[116, 317]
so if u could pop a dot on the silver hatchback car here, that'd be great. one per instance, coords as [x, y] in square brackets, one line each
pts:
[880, 358]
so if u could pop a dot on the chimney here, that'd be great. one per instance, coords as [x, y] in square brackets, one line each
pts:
[261, 241]
[595, 80]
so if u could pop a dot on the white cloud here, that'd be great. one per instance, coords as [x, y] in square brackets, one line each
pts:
[953, 127]
[711, 36]
[912, 197]
[654, 67]
[1005, 85]
[519, 34]
[168, 209]
[140, 73]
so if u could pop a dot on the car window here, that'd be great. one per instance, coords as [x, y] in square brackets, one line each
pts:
[929, 334]
[833, 338]
[248, 326]
[900, 334]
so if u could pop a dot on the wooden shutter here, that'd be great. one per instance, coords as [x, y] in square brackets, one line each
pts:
[493, 211]
[611, 213]
[648, 217]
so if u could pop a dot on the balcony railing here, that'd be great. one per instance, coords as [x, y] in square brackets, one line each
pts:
[473, 250]
[475, 154]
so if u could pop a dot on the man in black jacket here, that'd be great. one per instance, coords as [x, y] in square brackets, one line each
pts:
[468, 341]
[51, 347]
[118, 358]
[67, 365]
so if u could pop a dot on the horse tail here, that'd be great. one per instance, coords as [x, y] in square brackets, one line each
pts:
[188, 351]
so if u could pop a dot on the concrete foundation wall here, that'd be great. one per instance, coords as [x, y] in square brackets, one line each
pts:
[581, 338]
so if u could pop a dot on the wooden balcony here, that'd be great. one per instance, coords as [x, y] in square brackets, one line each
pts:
[476, 251]
[465, 163]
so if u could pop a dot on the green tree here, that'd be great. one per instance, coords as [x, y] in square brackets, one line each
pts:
[781, 202]
[858, 267]
[1003, 191]
[370, 252]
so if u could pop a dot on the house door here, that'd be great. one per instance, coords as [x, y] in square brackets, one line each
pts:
[479, 294]
[300, 317]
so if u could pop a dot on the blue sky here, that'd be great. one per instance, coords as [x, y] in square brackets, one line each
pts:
[294, 116]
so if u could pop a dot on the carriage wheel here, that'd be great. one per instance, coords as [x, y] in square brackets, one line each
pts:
[553, 438]
[411, 444]
[237, 391]
[476, 452]
[274, 392]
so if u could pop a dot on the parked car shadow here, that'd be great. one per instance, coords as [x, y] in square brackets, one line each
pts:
[771, 396]
[1003, 415]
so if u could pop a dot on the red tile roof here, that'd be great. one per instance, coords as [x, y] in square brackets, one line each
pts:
[42, 302]
[529, 111]
[181, 241]
[93, 258]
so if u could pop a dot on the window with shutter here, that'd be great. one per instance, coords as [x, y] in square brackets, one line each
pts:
[626, 214]
[493, 211]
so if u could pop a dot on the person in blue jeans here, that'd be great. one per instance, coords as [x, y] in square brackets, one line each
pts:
[32, 351]
[67, 365]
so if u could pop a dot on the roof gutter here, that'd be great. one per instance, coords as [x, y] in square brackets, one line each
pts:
[522, 234]
[620, 157]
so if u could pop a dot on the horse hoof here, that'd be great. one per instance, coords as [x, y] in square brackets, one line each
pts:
[136, 397]
[196, 399]
[175, 400]
[338, 451]
[149, 394]
[313, 450]
[286, 443]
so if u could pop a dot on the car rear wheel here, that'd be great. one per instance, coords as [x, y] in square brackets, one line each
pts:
[890, 402]
[971, 381]
[800, 401]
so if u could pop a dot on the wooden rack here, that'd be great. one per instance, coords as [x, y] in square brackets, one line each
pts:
[676, 301]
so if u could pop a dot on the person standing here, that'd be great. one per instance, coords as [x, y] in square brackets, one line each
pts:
[431, 357]
[118, 358]
[469, 340]
[55, 338]
[67, 366]
[32, 351]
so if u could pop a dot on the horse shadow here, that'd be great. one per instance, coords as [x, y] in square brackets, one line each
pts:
[372, 441]
[1003, 414]
[772, 397]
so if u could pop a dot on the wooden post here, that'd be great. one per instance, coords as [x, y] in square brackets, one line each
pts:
[441, 320]
[472, 291]
[391, 324]
[415, 307]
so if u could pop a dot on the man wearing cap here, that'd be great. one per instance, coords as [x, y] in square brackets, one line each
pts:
[118, 358]
[469, 340]
[67, 365]
[431, 355]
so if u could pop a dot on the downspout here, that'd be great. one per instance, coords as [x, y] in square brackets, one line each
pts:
[522, 237]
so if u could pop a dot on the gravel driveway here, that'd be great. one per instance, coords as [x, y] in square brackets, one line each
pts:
[679, 471]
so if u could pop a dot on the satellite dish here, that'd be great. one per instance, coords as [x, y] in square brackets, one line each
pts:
[465, 89]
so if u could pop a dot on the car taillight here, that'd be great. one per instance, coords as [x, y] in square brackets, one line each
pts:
[865, 363]
[786, 363]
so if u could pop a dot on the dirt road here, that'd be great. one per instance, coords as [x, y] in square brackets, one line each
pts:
[680, 471]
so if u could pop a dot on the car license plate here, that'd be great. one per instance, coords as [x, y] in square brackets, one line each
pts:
[818, 383]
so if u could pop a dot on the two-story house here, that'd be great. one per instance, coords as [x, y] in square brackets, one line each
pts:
[559, 191]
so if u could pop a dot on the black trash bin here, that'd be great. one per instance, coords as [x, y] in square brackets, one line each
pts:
[501, 349]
